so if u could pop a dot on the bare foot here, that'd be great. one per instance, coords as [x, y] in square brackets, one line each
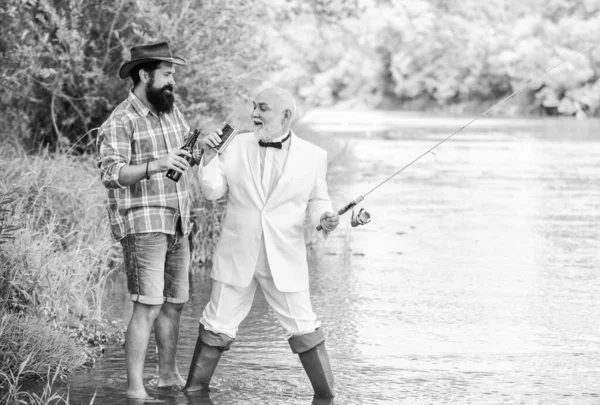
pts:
[140, 396]
[174, 381]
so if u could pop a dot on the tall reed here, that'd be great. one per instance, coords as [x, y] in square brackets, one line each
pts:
[57, 256]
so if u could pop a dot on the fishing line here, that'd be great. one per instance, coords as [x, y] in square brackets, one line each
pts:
[360, 198]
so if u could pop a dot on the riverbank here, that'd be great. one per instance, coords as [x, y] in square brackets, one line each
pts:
[57, 259]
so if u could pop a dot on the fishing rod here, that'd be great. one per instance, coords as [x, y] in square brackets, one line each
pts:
[363, 217]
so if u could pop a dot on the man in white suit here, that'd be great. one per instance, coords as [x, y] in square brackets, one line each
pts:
[273, 178]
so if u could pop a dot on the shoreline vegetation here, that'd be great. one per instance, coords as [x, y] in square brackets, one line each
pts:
[59, 83]
[57, 257]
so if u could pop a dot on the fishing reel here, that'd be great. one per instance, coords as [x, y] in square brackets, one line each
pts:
[363, 217]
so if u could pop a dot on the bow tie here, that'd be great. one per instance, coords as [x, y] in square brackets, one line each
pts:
[276, 145]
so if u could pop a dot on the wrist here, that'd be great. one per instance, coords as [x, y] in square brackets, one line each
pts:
[150, 169]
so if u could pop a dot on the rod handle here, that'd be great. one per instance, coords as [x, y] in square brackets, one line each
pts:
[342, 211]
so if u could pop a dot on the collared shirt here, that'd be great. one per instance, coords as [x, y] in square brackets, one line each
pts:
[272, 161]
[134, 135]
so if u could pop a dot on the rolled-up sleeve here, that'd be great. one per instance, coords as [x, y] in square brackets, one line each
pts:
[114, 148]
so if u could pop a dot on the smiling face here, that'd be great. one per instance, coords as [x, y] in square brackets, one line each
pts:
[272, 113]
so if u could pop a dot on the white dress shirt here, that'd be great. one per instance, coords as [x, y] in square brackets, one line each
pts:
[272, 161]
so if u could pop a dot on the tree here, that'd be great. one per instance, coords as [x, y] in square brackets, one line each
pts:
[60, 60]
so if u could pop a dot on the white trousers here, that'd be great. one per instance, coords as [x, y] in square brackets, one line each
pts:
[229, 305]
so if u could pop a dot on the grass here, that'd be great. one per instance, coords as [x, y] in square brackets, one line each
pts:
[56, 259]
[32, 349]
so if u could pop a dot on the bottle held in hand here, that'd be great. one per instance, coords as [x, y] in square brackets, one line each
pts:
[227, 134]
[188, 146]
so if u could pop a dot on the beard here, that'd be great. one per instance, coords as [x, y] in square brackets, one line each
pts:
[159, 98]
[268, 132]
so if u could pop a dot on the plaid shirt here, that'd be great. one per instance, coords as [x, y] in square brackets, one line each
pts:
[133, 135]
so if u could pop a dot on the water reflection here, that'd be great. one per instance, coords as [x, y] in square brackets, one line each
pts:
[475, 283]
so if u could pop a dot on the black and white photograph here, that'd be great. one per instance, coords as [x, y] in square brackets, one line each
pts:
[319, 202]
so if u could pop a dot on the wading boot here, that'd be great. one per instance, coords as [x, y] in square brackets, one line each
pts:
[313, 355]
[207, 353]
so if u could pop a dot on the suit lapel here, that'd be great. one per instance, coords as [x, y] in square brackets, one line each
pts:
[254, 163]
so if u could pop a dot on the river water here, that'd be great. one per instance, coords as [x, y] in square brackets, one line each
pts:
[477, 281]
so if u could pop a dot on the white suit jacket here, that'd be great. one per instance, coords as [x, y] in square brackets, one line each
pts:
[301, 189]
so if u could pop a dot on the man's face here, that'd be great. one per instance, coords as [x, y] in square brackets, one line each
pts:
[159, 90]
[267, 116]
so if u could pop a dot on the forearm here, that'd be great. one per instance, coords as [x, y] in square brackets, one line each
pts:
[319, 201]
[131, 174]
[212, 180]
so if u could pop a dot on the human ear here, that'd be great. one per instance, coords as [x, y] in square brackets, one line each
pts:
[144, 76]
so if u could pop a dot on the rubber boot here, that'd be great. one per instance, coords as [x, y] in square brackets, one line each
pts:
[313, 355]
[207, 353]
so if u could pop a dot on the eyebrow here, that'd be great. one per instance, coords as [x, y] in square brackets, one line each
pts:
[261, 104]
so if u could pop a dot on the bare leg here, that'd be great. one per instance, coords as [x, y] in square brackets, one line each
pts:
[166, 331]
[136, 343]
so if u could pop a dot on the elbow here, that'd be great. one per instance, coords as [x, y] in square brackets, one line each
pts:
[212, 190]
[212, 194]
[110, 183]
[110, 176]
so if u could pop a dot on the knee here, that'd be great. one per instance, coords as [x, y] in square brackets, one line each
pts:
[146, 312]
[213, 339]
[172, 309]
[302, 343]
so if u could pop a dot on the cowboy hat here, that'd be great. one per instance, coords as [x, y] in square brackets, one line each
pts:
[148, 53]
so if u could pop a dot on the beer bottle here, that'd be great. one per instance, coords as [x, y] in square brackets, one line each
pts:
[188, 146]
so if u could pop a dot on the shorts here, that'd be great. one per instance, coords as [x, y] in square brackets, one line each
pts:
[157, 266]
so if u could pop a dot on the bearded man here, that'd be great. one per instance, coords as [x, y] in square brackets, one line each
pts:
[273, 178]
[148, 212]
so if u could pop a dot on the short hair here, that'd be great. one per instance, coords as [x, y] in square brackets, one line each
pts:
[149, 67]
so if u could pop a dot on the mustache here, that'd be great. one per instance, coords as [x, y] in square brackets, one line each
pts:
[169, 87]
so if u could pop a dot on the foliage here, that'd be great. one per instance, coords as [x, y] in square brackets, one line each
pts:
[60, 60]
[6, 229]
[55, 266]
[32, 349]
[57, 260]
[428, 54]
[60, 259]
[206, 216]
[12, 393]
[324, 11]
